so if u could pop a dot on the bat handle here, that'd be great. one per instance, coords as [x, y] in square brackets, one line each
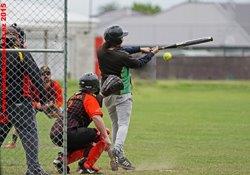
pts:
[161, 48]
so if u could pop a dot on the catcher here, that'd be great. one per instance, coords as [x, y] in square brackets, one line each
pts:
[54, 97]
[83, 107]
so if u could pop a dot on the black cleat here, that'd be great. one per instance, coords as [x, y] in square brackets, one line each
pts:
[86, 170]
[58, 163]
[122, 161]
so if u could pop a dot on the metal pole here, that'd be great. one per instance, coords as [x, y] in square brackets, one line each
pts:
[34, 50]
[90, 16]
[65, 87]
[45, 47]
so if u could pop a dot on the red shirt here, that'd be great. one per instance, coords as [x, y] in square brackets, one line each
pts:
[54, 93]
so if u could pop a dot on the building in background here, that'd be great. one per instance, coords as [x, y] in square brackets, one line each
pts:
[227, 23]
[42, 31]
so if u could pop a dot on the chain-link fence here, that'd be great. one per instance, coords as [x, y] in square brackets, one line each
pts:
[32, 80]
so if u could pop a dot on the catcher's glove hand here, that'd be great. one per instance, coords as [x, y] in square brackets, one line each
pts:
[111, 85]
[52, 111]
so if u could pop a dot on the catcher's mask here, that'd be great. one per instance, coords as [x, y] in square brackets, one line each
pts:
[15, 36]
[114, 35]
[89, 83]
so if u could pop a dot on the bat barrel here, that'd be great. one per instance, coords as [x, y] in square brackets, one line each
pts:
[194, 42]
[188, 43]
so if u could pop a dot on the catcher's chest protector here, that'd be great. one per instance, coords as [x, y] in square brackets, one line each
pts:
[77, 116]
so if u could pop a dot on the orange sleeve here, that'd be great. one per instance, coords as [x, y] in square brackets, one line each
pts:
[59, 94]
[91, 106]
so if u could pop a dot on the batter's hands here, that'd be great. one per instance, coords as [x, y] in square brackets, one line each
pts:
[155, 49]
[51, 110]
[145, 49]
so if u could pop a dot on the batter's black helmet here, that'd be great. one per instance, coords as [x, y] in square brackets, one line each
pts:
[114, 34]
[89, 83]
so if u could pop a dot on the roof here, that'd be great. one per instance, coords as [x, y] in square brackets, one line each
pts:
[189, 21]
[241, 14]
[115, 15]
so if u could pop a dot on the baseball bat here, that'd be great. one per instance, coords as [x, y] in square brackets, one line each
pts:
[188, 43]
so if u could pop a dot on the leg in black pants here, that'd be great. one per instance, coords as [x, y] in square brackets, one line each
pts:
[79, 142]
[22, 116]
[80, 138]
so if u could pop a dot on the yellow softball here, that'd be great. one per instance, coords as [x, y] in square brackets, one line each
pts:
[167, 56]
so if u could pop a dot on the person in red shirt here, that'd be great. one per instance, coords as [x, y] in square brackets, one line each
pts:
[54, 95]
[54, 92]
[82, 142]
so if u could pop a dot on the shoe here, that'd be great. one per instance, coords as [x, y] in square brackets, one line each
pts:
[84, 169]
[10, 145]
[122, 161]
[113, 164]
[58, 163]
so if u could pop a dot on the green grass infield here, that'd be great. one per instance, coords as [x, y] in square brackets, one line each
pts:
[177, 128]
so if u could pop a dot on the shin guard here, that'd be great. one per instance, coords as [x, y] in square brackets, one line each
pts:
[94, 153]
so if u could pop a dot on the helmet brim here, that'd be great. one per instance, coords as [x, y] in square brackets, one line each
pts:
[124, 34]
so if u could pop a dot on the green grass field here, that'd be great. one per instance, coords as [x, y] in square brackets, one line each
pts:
[177, 128]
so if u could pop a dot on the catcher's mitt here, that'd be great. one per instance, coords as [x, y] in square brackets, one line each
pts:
[52, 111]
[111, 85]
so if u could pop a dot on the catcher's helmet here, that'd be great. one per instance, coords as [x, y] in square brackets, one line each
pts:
[114, 34]
[89, 83]
[15, 36]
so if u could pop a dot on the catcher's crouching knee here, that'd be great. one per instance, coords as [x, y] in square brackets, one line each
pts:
[57, 139]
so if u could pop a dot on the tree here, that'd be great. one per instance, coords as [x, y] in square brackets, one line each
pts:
[146, 8]
[108, 7]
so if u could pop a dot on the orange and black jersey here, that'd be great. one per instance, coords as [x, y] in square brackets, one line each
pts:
[81, 107]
